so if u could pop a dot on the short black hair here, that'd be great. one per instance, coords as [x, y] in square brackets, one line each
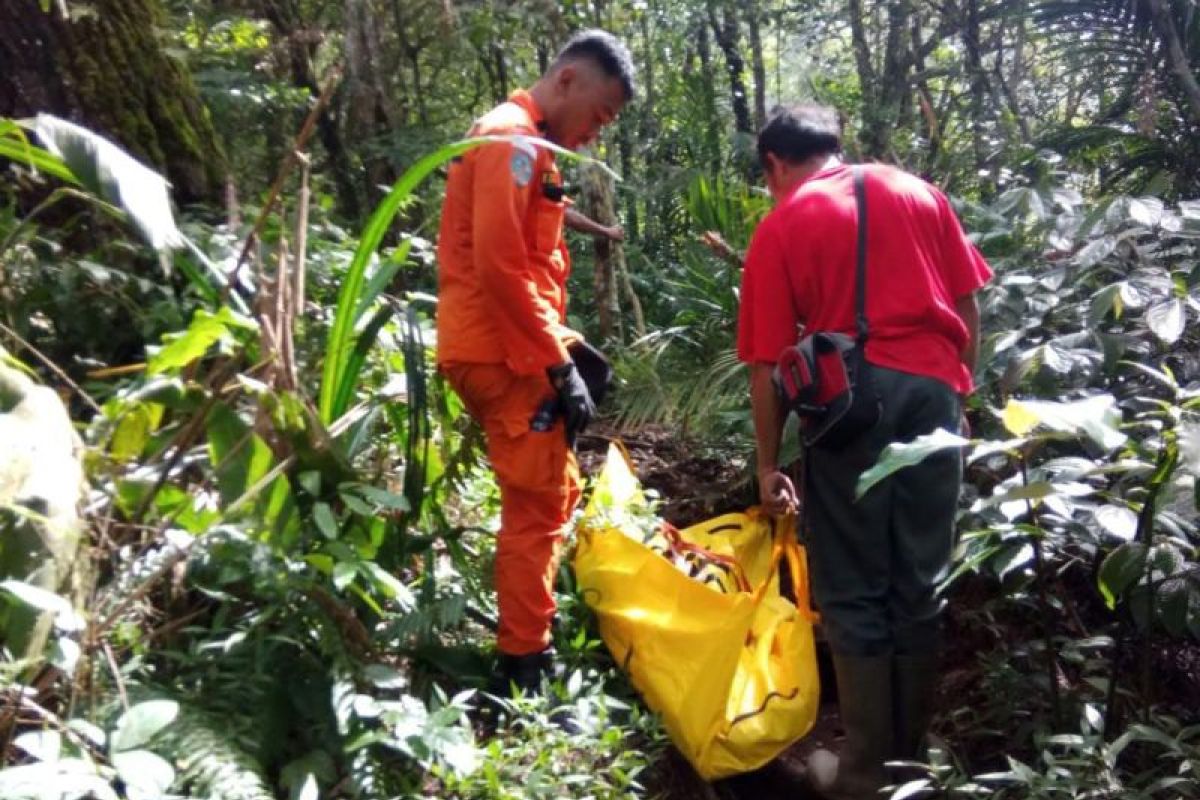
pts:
[797, 133]
[605, 51]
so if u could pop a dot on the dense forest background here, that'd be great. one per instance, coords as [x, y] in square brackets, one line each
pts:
[245, 530]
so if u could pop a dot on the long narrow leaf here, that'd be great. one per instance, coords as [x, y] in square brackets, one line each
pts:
[113, 174]
[14, 146]
[352, 296]
[382, 277]
[358, 357]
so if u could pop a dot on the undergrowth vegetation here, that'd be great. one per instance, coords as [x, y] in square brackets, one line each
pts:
[246, 531]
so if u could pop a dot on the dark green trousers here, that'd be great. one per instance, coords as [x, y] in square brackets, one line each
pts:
[875, 563]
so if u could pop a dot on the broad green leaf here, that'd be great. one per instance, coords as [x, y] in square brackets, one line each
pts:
[914, 788]
[1106, 300]
[205, 330]
[384, 676]
[1149, 733]
[308, 790]
[326, 522]
[1013, 556]
[897, 456]
[463, 757]
[92, 733]
[44, 745]
[344, 573]
[1095, 251]
[310, 481]
[1176, 598]
[1036, 491]
[1120, 570]
[1166, 559]
[240, 456]
[1117, 520]
[1189, 447]
[146, 776]
[143, 722]
[1166, 320]
[391, 586]
[73, 778]
[1146, 211]
[45, 601]
[114, 175]
[131, 434]
[1096, 417]
[1131, 295]
[356, 504]
[65, 654]
[383, 498]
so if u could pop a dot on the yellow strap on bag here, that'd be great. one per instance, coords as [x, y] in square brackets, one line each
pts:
[728, 663]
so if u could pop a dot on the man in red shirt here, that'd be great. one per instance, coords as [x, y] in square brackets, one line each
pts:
[876, 562]
[502, 341]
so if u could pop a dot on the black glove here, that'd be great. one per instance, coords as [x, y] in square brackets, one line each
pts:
[593, 367]
[574, 400]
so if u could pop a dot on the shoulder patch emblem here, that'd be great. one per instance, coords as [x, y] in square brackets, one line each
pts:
[521, 166]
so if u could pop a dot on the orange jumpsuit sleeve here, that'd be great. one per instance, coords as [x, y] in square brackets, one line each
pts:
[525, 320]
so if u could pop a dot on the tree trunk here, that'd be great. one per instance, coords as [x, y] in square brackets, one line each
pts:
[597, 202]
[286, 19]
[1177, 58]
[757, 67]
[971, 42]
[369, 109]
[712, 140]
[884, 87]
[726, 30]
[107, 71]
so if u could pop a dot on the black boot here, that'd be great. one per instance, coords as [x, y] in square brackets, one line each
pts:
[522, 673]
[530, 675]
[865, 704]
[914, 681]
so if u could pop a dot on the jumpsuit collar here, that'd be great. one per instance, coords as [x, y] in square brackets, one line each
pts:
[525, 100]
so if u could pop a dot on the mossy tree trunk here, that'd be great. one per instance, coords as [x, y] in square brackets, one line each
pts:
[105, 67]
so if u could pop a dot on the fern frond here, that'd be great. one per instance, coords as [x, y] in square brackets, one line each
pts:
[442, 613]
[210, 763]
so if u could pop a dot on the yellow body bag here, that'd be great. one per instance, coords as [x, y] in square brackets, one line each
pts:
[696, 619]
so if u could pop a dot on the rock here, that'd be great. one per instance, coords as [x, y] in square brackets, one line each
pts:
[41, 487]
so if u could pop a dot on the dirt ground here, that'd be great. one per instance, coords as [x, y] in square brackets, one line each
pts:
[694, 485]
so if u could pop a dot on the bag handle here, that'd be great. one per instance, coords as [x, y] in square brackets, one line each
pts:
[860, 259]
[800, 584]
[787, 549]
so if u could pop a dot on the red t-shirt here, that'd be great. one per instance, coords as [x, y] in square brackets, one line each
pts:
[919, 262]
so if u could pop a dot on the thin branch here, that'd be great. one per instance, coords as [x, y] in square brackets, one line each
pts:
[302, 138]
[116, 673]
[87, 398]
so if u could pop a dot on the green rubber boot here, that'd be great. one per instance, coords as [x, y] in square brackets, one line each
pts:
[865, 702]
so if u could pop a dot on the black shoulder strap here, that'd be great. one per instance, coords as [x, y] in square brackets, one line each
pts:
[860, 269]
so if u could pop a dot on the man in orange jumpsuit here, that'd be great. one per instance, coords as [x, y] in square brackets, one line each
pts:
[502, 341]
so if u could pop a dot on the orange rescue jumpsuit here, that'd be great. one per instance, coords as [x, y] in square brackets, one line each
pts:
[502, 272]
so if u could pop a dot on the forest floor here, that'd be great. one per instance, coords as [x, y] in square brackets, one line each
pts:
[694, 484]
